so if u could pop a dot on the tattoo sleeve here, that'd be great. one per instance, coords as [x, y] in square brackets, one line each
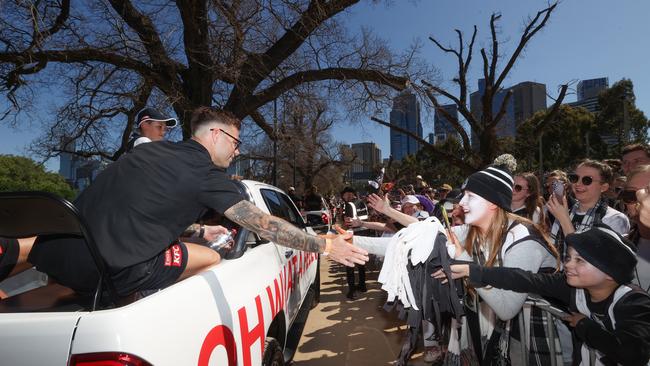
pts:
[190, 231]
[273, 228]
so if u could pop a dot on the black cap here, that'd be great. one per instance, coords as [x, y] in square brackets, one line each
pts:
[152, 115]
[606, 250]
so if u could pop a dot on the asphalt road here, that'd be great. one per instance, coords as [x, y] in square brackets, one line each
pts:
[344, 332]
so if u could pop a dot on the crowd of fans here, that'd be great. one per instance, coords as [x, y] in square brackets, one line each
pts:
[585, 216]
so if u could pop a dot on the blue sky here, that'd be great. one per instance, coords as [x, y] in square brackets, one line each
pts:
[584, 39]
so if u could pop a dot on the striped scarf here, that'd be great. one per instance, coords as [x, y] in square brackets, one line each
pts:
[593, 216]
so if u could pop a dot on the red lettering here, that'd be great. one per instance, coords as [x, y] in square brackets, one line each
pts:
[218, 336]
[248, 338]
[289, 276]
[294, 260]
[168, 258]
[176, 253]
[279, 299]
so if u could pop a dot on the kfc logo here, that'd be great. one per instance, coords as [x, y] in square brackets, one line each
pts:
[177, 255]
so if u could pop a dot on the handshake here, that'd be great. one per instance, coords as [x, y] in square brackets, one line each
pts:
[339, 247]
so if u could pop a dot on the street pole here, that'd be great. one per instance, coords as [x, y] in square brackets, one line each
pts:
[275, 143]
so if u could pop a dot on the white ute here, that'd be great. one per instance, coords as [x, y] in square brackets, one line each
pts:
[248, 310]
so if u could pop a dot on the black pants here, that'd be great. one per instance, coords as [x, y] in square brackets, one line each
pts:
[349, 272]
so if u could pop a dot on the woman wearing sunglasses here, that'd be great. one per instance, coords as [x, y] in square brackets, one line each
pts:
[638, 179]
[590, 180]
[526, 198]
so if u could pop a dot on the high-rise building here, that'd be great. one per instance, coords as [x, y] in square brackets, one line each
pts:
[431, 138]
[405, 114]
[591, 88]
[506, 126]
[78, 171]
[442, 126]
[367, 162]
[588, 91]
[529, 97]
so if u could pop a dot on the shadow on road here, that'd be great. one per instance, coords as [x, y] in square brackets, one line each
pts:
[344, 332]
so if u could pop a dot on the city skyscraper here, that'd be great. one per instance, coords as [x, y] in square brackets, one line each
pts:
[529, 97]
[442, 126]
[588, 91]
[506, 126]
[405, 114]
[367, 162]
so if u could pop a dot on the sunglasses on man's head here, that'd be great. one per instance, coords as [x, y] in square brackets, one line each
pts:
[586, 180]
[519, 188]
[628, 196]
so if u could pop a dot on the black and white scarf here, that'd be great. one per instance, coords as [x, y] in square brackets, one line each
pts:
[593, 216]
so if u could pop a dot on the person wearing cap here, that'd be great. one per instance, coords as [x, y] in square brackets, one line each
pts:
[610, 317]
[412, 206]
[150, 125]
[443, 191]
[494, 237]
[138, 207]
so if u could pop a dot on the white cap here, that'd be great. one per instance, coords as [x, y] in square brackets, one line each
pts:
[410, 199]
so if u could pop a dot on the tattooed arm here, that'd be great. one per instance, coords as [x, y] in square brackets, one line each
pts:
[282, 232]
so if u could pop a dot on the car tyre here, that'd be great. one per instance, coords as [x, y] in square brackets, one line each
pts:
[272, 353]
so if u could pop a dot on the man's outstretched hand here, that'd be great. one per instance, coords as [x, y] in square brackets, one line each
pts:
[343, 251]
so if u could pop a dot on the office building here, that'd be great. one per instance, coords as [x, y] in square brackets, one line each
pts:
[506, 126]
[443, 128]
[588, 91]
[78, 171]
[405, 114]
[529, 97]
[367, 161]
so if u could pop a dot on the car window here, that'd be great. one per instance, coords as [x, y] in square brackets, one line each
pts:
[280, 205]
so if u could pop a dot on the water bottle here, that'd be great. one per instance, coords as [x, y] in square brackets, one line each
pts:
[224, 242]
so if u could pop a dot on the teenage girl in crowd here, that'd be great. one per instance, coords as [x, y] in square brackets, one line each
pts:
[527, 200]
[610, 317]
[495, 237]
[590, 180]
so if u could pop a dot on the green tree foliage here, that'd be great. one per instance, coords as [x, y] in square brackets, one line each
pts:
[569, 137]
[619, 117]
[22, 174]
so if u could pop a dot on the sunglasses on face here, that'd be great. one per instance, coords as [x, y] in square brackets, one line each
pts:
[519, 188]
[628, 196]
[586, 180]
[237, 142]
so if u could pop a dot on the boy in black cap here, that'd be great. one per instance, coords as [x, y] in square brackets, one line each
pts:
[610, 316]
[150, 125]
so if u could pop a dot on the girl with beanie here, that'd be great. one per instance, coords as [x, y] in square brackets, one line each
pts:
[494, 237]
[610, 317]
[590, 180]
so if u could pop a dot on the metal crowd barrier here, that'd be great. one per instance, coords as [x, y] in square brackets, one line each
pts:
[553, 314]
